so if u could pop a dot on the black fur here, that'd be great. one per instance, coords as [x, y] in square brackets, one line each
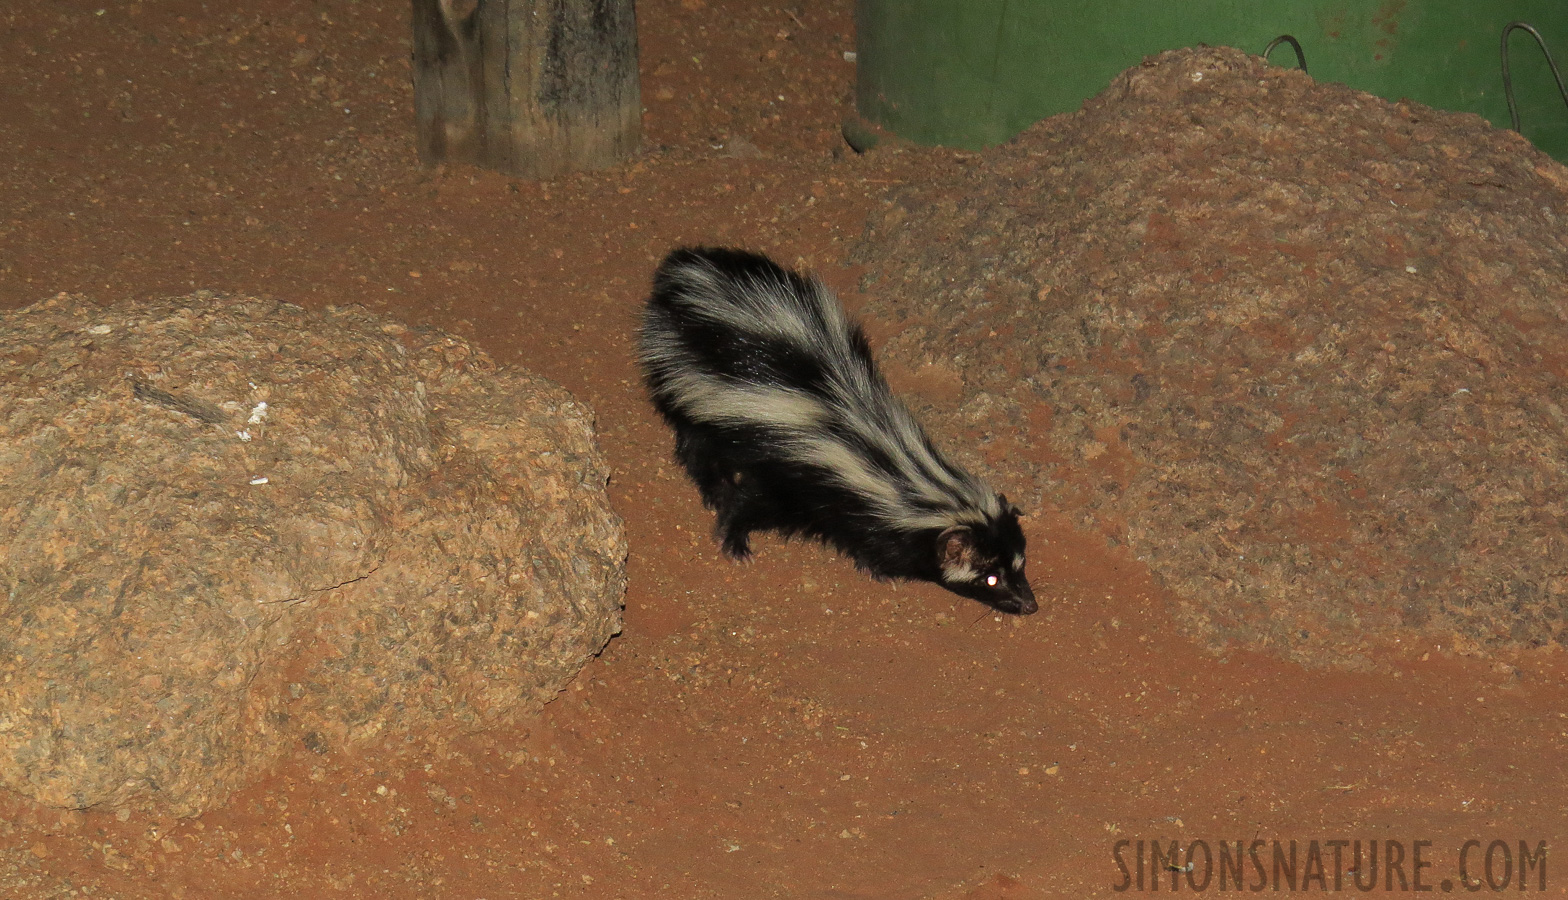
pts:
[748, 363]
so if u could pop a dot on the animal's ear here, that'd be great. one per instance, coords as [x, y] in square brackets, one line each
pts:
[1008, 508]
[955, 548]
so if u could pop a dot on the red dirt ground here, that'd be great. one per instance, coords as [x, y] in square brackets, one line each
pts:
[782, 729]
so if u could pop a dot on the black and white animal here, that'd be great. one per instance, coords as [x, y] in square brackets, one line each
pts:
[784, 423]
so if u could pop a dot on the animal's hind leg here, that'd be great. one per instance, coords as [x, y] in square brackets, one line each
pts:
[739, 516]
[722, 486]
[704, 460]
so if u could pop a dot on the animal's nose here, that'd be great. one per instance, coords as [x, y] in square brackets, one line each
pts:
[1026, 604]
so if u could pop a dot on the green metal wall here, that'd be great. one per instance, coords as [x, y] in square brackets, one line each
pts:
[972, 73]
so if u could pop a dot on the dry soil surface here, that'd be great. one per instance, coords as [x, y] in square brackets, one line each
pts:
[782, 729]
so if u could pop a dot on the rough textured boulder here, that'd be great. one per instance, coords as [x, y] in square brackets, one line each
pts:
[1299, 347]
[231, 528]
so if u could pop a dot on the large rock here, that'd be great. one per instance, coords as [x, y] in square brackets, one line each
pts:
[1299, 347]
[231, 528]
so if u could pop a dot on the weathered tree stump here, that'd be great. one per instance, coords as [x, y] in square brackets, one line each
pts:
[527, 87]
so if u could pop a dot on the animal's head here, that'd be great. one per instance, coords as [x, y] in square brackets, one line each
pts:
[985, 562]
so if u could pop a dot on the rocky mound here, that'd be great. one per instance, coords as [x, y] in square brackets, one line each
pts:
[1302, 348]
[232, 529]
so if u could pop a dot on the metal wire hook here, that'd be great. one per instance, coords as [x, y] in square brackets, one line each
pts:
[1301, 58]
[1508, 83]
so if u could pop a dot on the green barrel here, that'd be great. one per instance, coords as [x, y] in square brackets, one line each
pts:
[971, 73]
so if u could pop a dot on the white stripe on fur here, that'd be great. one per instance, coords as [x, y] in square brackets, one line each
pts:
[856, 399]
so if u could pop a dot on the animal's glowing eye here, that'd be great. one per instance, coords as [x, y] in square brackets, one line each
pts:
[991, 580]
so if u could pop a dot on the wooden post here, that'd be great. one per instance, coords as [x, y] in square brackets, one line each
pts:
[527, 87]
